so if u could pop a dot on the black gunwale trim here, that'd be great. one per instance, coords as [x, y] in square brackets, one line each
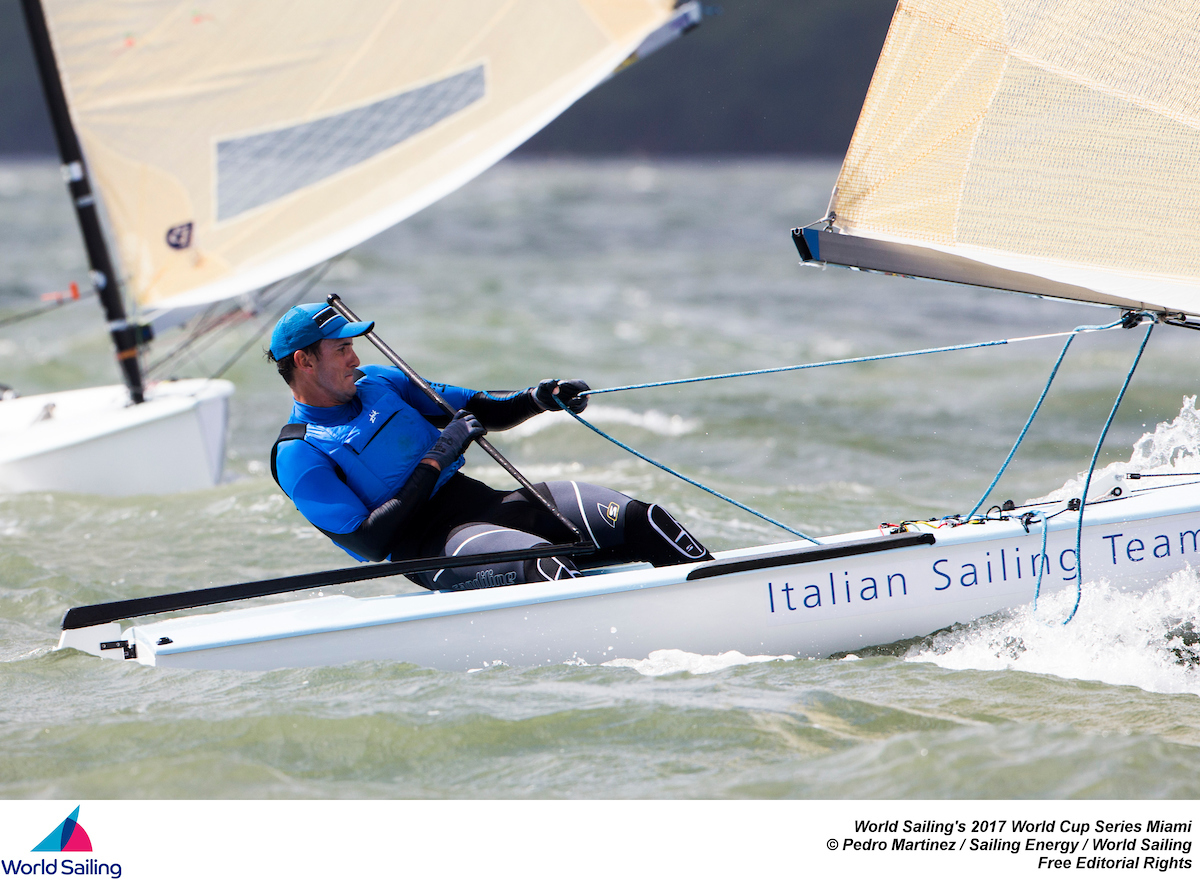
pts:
[814, 554]
[122, 609]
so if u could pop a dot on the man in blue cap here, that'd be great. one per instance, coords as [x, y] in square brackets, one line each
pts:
[373, 462]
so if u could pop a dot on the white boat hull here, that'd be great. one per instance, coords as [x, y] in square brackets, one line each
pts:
[807, 609]
[92, 440]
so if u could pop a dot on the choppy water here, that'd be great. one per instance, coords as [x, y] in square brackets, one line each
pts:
[618, 272]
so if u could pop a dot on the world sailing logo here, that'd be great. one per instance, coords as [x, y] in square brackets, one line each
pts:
[69, 836]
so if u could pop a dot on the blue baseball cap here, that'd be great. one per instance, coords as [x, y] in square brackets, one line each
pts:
[305, 324]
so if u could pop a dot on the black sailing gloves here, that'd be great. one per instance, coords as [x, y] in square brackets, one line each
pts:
[499, 410]
[569, 391]
[463, 428]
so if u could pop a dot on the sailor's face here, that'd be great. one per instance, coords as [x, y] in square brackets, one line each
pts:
[335, 369]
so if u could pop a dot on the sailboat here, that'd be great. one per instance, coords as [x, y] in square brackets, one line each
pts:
[214, 154]
[1024, 145]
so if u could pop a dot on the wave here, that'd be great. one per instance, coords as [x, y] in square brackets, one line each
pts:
[1172, 447]
[1147, 640]
[667, 662]
[667, 425]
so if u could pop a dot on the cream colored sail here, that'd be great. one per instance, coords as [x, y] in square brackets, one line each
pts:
[1052, 140]
[235, 142]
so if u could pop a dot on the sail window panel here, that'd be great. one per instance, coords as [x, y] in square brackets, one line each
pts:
[905, 167]
[168, 101]
[535, 54]
[1066, 172]
[260, 168]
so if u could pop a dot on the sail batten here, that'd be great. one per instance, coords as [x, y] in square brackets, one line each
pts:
[1054, 139]
[233, 144]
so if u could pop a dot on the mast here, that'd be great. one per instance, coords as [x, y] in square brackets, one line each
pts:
[124, 335]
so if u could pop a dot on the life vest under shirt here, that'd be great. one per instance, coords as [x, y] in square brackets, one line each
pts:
[377, 450]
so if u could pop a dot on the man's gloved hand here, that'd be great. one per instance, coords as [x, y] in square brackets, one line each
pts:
[568, 391]
[463, 428]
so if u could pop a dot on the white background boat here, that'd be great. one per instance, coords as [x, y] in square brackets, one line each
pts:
[92, 440]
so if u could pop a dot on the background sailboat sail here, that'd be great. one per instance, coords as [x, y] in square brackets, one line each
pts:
[1043, 146]
[234, 144]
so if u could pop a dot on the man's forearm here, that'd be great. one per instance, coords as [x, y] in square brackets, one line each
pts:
[499, 413]
[384, 525]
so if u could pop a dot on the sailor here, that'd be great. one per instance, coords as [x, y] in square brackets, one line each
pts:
[374, 463]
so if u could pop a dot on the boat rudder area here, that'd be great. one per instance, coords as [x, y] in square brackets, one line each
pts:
[100, 640]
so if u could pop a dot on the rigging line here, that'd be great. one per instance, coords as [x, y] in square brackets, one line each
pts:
[676, 473]
[1043, 560]
[33, 313]
[204, 331]
[1036, 407]
[1095, 455]
[205, 328]
[857, 360]
[214, 323]
[211, 328]
[201, 327]
[262, 327]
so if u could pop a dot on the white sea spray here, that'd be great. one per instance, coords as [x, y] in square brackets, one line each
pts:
[1145, 639]
[1172, 447]
[667, 662]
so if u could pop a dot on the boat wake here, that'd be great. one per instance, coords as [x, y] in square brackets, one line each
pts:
[1145, 639]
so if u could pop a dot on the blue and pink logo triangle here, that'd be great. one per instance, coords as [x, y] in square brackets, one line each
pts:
[69, 836]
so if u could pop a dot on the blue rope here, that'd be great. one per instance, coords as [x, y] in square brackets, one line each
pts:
[1037, 406]
[857, 360]
[686, 479]
[1091, 467]
[1043, 561]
